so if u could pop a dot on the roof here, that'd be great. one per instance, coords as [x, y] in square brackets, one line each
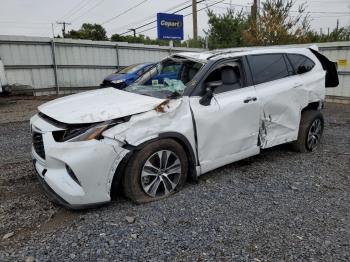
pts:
[234, 52]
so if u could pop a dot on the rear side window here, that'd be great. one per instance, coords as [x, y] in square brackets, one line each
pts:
[267, 67]
[301, 63]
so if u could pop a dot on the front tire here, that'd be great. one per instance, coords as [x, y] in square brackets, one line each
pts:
[310, 131]
[157, 171]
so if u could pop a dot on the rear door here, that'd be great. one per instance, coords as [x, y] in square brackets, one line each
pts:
[312, 78]
[278, 90]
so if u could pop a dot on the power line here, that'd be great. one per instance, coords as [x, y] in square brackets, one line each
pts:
[63, 27]
[295, 11]
[156, 19]
[124, 12]
[88, 10]
[151, 16]
[75, 9]
[230, 4]
[198, 10]
[18, 22]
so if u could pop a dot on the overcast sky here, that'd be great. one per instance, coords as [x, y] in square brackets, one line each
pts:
[34, 17]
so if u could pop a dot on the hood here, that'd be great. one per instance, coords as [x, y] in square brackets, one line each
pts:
[116, 76]
[98, 105]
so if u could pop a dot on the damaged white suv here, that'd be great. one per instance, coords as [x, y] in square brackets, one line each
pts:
[187, 115]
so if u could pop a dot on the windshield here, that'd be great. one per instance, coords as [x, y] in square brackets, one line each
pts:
[167, 79]
[130, 69]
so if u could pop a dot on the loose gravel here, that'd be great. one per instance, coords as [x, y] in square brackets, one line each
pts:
[279, 205]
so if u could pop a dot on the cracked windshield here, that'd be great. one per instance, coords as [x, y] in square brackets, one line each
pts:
[166, 79]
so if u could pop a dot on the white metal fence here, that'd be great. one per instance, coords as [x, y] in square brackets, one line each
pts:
[41, 64]
[44, 64]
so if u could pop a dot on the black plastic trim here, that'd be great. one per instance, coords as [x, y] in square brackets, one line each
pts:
[195, 134]
[119, 172]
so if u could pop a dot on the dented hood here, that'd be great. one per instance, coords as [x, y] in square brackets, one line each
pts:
[98, 105]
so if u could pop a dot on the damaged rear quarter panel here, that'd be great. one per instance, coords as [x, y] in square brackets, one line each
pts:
[282, 102]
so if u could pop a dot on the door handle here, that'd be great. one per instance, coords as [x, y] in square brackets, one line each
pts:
[249, 99]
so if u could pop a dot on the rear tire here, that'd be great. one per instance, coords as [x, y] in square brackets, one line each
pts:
[156, 171]
[310, 131]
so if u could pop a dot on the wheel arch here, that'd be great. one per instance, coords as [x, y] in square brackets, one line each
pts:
[179, 138]
[317, 105]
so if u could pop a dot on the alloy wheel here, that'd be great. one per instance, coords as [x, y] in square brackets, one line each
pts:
[161, 173]
[314, 135]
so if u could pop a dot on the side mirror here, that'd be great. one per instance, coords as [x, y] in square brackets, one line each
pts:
[209, 92]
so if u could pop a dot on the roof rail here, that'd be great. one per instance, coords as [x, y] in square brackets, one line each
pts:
[229, 51]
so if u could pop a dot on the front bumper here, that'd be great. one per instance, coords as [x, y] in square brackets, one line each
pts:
[75, 174]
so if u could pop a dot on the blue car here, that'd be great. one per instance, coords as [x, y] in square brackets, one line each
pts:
[126, 76]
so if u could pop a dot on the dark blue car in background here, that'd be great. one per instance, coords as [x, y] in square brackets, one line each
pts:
[126, 76]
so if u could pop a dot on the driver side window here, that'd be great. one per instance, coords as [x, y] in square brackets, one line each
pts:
[227, 77]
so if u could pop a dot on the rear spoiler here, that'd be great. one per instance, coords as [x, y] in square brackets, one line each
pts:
[332, 79]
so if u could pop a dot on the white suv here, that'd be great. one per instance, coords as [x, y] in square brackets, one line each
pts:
[187, 115]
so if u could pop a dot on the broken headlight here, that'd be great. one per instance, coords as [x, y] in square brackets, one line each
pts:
[77, 133]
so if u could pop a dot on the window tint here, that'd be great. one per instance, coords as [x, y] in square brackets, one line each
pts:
[267, 67]
[301, 63]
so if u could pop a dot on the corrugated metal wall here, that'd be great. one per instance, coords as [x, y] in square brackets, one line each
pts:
[39, 63]
[336, 52]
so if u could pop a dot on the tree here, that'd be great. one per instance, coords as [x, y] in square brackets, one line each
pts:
[276, 25]
[337, 34]
[192, 43]
[89, 31]
[226, 30]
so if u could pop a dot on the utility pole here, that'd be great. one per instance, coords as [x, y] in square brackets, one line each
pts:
[133, 30]
[194, 18]
[337, 25]
[254, 15]
[63, 27]
[53, 31]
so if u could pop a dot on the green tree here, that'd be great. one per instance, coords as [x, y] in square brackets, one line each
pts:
[276, 24]
[89, 31]
[226, 30]
[199, 43]
[337, 34]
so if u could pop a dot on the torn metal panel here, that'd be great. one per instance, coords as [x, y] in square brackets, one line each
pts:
[84, 159]
[174, 116]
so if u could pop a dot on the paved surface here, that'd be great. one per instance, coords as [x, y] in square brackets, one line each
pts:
[279, 205]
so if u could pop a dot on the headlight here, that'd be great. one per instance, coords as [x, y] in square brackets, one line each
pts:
[118, 81]
[92, 133]
[84, 133]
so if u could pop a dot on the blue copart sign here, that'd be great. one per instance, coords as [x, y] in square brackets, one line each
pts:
[170, 26]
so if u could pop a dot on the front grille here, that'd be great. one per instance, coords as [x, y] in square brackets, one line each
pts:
[38, 144]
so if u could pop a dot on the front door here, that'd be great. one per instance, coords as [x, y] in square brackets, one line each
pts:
[228, 128]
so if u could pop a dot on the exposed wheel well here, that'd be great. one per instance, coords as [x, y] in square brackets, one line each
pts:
[313, 106]
[179, 138]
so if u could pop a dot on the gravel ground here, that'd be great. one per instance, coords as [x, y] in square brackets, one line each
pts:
[279, 205]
